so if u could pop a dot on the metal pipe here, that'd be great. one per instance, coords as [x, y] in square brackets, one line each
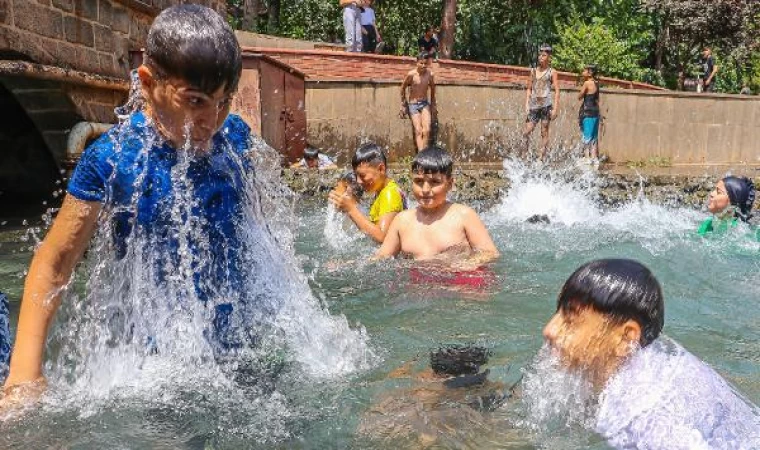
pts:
[15, 68]
[81, 134]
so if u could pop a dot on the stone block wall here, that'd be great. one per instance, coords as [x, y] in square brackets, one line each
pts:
[87, 35]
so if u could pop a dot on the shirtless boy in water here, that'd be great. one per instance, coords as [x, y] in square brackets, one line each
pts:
[419, 108]
[438, 228]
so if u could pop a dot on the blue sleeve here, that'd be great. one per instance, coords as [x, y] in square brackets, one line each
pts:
[238, 132]
[5, 338]
[88, 182]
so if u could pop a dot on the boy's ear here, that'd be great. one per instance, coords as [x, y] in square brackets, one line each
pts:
[146, 76]
[630, 335]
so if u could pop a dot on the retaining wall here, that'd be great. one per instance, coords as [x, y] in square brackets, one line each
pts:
[482, 122]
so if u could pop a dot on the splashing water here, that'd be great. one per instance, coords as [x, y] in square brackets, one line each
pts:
[339, 232]
[184, 313]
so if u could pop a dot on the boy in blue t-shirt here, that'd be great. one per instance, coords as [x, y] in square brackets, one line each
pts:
[179, 164]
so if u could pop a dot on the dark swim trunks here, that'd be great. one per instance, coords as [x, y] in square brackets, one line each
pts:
[417, 107]
[540, 115]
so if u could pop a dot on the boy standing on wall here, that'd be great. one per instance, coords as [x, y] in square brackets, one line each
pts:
[418, 107]
[589, 113]
[541, 99]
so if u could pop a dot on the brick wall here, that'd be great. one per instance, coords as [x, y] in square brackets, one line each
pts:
[326, 65]
[88, 35]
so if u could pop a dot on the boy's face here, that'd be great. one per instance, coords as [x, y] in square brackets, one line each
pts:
[370, 176]
[588, 340]
[718, 200]
[183, 113]
[544, 58]
[423, 64]
[586, 73]
[312, 163]
[430, 189]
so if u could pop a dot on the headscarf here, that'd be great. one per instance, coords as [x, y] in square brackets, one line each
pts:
[741, 192]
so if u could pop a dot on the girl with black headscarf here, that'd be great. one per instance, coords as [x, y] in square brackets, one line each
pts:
[730, 202]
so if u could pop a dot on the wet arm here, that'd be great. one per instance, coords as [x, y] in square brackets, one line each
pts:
[432, 90]
[583, 91]
[375, 231]
[484, 250]
[528, 91]
[49, 274]
[555, 82]
[404, 85]
[392, 243]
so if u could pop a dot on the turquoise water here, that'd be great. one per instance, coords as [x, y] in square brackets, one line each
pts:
[711, 289]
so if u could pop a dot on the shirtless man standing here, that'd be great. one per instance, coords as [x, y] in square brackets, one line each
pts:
[418, 107]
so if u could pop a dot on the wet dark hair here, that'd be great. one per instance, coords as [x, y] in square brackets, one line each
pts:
[370, 154]
[456, 360]
[545, 48]
[356, 188]
[195, 44]
[311, 153]
[424, 55]
[433, 160]
[741, 192]
[592, 69]
[622, 289]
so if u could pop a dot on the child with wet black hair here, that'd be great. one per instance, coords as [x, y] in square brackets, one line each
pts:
[652, 393]
[313, 158]
[190, 73]
[437, 228]
[371, 169]
[453, 401]
[731, 202]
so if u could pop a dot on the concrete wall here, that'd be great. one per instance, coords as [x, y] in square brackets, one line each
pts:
[483, 123]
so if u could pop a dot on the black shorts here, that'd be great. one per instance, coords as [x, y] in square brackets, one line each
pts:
[540, 115]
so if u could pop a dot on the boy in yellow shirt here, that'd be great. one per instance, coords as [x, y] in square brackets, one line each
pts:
[370, 166]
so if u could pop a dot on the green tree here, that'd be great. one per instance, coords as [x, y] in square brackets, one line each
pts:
[595, 43]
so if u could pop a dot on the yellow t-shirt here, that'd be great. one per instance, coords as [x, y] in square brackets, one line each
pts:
[390, 199]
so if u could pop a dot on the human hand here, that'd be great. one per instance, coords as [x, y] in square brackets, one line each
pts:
[16, 395]
[403, 113]
[553, 114]
[342, 201]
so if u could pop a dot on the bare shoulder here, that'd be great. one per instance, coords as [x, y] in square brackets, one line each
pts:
[462, 212]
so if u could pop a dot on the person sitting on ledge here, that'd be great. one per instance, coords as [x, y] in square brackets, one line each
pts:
[438, 229]
[370, 167]
[730, 203]
[314, 159]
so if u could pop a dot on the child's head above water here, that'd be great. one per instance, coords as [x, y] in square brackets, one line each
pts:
[432, 178]
[605, 310]
[369, 165]
[191, 71]
[311, 157]
[738, 192]
[456, 360]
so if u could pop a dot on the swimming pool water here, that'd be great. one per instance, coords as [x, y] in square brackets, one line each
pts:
[710, 285]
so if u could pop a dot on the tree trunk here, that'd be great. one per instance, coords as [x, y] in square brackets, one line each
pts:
[448, 28]
[273, 20]
[251, 15]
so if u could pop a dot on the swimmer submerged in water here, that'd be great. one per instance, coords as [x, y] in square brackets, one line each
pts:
[730, 203]
[652, 393]
[438, 230]
[451, 404]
